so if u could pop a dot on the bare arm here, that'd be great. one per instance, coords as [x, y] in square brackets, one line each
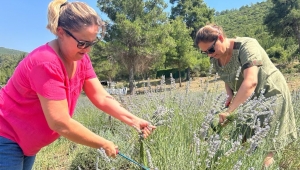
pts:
[229, 94]
[228, 90]
[104, 101]
[247, 88]
[245, 91]
[59, 120]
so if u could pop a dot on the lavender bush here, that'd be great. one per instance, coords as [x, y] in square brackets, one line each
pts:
[184, 139]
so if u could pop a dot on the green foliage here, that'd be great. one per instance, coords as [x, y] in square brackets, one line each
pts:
[105, 66]
[83, 160]
[250, 21]
[283, 17]
[204, 64]
[141, 39]
[246, 21]
[10, 52]
[297, 67]
[195, 14]
[167, 72]
[183, 54]
[176, 143]
[138, 36]
[277, 53]
[201, 67]
[8, 64]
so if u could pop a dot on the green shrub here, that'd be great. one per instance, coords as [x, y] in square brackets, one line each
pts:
[167, 72]
[297, 67]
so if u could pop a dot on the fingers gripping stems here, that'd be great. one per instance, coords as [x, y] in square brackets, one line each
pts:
[142, 133]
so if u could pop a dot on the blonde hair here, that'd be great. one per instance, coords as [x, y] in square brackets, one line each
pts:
[209, 33]
[71, 16]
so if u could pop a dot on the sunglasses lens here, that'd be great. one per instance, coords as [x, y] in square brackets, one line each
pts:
[85, 44]
[81, 45]
[210, 51]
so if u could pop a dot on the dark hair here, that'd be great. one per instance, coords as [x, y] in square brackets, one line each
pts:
[208, 33]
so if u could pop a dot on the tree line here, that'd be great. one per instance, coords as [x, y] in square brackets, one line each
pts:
[8, 63]
[141, 38]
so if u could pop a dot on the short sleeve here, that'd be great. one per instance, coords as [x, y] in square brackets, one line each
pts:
[90, 72]
[48, 80]
[250, 54]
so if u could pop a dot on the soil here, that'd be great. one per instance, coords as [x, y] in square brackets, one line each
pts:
[197, 83]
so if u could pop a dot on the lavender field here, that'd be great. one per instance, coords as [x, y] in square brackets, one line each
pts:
[187, 136]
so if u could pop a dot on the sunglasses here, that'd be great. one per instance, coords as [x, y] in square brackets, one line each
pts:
[82, 44]
[211, 49]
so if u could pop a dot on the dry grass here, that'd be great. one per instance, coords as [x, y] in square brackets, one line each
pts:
[198, 83]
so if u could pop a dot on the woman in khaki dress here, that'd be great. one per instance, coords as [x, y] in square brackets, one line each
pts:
[257, 73]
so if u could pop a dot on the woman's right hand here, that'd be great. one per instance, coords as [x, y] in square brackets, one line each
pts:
[110, 149]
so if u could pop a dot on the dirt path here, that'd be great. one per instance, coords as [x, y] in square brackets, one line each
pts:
[198, 83]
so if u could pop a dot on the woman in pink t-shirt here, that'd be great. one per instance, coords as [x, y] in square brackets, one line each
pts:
[38, 101]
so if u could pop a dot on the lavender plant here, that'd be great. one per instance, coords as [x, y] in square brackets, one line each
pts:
[183, 139]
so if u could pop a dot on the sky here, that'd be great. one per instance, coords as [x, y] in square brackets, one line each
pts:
[23, 23]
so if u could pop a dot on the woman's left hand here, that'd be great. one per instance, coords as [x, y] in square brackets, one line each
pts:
[145, 127]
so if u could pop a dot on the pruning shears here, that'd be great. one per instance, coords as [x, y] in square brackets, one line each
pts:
[131, 160]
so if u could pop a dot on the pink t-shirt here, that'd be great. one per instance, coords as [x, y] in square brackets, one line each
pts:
[21, 117]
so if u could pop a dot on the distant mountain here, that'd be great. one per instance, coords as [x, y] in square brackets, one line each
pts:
[7, 51]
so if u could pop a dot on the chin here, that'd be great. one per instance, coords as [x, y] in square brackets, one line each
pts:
[79, 56]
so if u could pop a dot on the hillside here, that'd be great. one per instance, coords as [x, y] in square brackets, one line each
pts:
[245, 21]
[248, 21]
[7, 51]
[9, 59]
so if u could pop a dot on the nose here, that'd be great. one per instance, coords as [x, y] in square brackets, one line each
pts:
[86, 50]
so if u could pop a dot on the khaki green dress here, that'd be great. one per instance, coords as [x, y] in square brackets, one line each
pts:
[247, 52]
